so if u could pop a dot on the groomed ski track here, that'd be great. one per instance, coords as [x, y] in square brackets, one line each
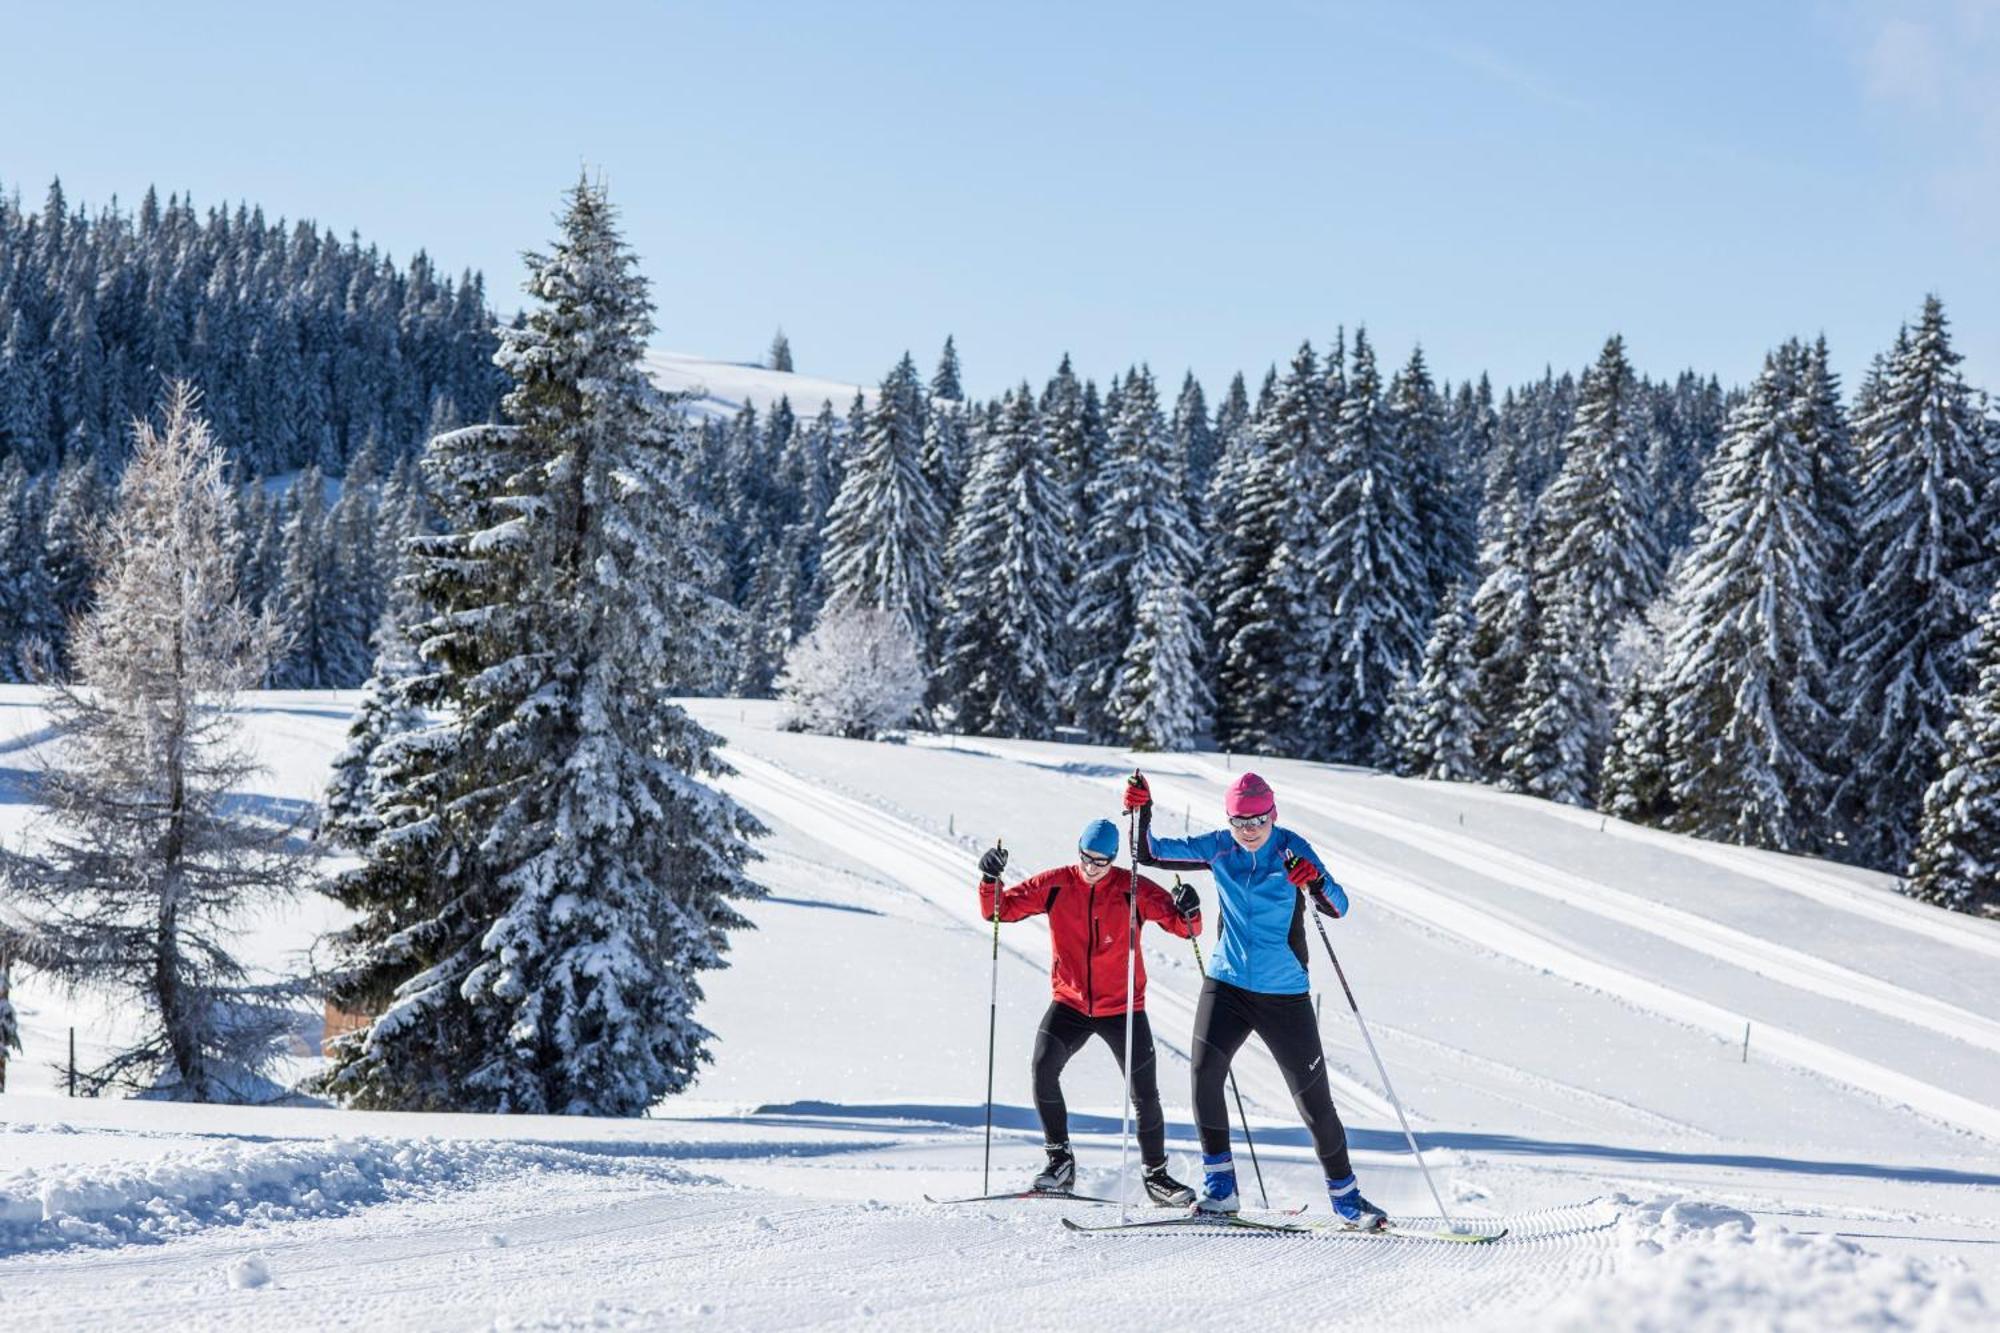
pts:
[1561, 1007]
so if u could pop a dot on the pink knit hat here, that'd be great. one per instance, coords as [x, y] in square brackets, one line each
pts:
[1249, 795]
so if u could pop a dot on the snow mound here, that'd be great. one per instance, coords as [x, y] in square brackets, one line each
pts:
[1688, 1264]
[238, 1183]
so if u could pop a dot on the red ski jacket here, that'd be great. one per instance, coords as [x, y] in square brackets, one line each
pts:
[1088, 927]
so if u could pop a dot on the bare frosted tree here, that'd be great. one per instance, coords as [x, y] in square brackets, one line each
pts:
[857, 674]
[139, 874]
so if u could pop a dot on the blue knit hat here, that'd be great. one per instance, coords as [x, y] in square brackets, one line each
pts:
[1100, 838]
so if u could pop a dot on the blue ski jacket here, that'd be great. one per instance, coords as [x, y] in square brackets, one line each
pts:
[1260, 917]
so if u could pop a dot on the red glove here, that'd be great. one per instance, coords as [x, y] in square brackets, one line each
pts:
[1137, 794]
[1301, 872]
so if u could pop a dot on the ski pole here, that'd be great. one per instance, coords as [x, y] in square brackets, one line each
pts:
[1241, 1118]
[1291, 859]
[1131, 960]
[992, 1029]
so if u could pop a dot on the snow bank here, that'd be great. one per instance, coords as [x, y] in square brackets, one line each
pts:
[1685, 1264]
[240, 1182]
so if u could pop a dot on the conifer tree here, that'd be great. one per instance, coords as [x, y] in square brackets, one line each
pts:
[997, 665]
[1371, 590]
[1957, 860]
[1549, 754]
[27, 623]
[1637, 781]
[945, 382]
[1194, 439]
[1267, 641]
[319, 608]
[1437, 738]
[1506, 617]
[1438, 504]
[558, 871]
[780, 355]
[1746, 680]
[1598, 549]
[1135, 607]
[884, 536]
[1922, 569]
[139, 883]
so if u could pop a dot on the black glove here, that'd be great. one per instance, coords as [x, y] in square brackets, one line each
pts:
[991, 864]
[1137, 794]
[1186, 901]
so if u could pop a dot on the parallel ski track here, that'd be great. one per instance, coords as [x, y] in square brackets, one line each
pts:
[1430, 905]
[1780, 963]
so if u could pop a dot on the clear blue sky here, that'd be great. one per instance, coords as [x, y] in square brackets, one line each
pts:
[1196, 186]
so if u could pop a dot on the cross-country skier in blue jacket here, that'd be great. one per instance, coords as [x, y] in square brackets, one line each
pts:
[1257, 982]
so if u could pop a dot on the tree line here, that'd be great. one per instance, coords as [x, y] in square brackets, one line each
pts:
[1751, 615]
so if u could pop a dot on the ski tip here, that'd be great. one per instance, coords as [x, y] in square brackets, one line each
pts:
[1071, 1224]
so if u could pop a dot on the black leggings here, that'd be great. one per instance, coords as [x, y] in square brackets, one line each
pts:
[1225, 1018]
[1063, 1033]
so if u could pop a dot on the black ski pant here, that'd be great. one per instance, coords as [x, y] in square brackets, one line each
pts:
[1063, 1033]
[1223, 1021]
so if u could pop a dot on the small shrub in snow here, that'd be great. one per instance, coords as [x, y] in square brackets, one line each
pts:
[856, 675]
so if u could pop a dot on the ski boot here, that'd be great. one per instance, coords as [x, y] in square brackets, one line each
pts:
[1218, 1185]
[1164, 1190]
[1351, 1206]
[1059, 1176]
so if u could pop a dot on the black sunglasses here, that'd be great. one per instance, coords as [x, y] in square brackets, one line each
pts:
[1099, 862]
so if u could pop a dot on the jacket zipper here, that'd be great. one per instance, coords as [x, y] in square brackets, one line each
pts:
[1089, 955]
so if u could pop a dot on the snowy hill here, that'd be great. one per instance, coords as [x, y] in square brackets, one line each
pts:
[1561, 1000]
[724, 388]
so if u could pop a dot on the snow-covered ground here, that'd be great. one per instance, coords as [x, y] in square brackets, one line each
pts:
[1561, 1001]
[724, 388]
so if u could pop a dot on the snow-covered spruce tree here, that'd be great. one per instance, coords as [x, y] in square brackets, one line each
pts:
[1505, 616]
[74, 508]
[140, 876]
[885, 532]
[945, 381]
[1439, 504]
[28, 627]
[1004, 594]
[1925, 547]
[1637, 782]
[780, 355]
[320, 608]
[1194, 438]
[857, 675]
[1957, 861]
[1267, 639]
[1370, 591]
[556, 872]
[1438, 736]
[1746, 672]
[1598, 549]
[1548, 754]
[1135, 609]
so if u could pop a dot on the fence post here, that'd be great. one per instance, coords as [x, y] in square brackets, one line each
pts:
[72, 1062]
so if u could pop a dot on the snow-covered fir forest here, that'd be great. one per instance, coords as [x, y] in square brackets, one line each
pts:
[1757, 613]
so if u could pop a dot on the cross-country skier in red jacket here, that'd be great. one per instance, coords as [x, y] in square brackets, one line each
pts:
[1089, 909]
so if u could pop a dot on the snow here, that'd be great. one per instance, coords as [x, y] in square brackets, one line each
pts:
[724, 388]
[1560, 1001]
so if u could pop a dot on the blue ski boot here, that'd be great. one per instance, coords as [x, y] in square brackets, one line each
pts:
[1218, 1185]
[1352, 1207]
